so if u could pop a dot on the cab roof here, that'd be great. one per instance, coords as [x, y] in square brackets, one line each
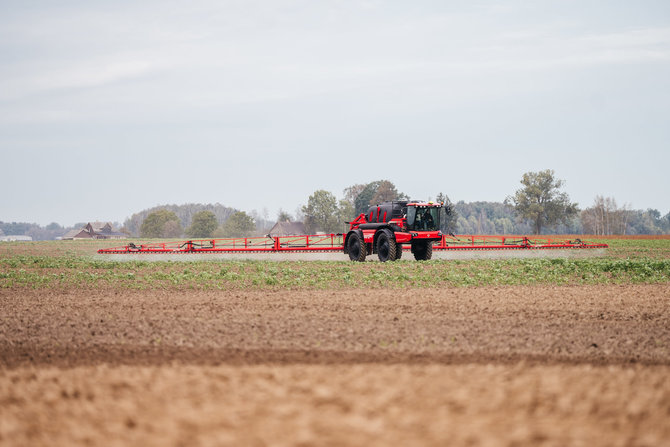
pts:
[419, 203]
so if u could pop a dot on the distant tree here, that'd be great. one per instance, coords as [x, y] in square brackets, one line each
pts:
[203, 225]
[646, 222]
[374, 193]
[363, 199]
[298, 215]
[489, 217]
[352, 192]
[503, 225]
[605, 217]
[283, 216]
[386, 191]
[463, 225]
[345, 213]
[475, 224]
[654, 214]
[261, 220]
[665, 223]
[240, 224]
[172, 228]
[53, 226]
[17, 228]
[541, 202]
[321, 212]
[156, 225]
[448, 225]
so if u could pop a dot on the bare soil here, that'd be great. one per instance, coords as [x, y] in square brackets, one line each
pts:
[472, 366]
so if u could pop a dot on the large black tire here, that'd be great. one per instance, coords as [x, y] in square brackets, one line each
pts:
[423, 251]
[429, 251]
[356, 248]
[386, 246]
[398, 251]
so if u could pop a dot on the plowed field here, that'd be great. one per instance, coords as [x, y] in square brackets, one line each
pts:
[571, 365]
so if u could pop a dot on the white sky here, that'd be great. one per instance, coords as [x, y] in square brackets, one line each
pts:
[107, 108]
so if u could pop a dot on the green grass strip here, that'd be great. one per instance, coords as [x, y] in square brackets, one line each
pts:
[70, 271]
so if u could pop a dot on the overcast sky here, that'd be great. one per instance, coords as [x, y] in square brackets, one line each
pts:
[107, 108]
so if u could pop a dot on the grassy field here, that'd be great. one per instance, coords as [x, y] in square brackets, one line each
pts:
[74, 263]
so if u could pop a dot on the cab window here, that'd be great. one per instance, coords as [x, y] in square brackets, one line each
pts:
[423, 218]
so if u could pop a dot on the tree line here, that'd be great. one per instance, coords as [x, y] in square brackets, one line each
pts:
[203, 224]
[538, 206]
[500, 218]
[183, 215]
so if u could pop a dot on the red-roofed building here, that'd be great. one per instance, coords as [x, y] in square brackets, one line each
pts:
[288, 229]
[95, 230]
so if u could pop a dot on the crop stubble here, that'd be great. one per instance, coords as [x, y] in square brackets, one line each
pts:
[490, 365]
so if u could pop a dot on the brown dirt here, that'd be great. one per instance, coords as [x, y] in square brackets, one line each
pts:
[475, 366]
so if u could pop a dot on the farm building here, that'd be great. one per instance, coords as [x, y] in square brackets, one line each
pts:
[15, 238]
[95, 230]
[288, 229]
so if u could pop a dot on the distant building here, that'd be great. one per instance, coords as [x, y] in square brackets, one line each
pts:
[15, 237]
[95, 230]
[288, 229]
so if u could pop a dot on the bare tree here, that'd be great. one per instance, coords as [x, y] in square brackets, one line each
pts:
[385, 192]
[352, 192]
[605, 217]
